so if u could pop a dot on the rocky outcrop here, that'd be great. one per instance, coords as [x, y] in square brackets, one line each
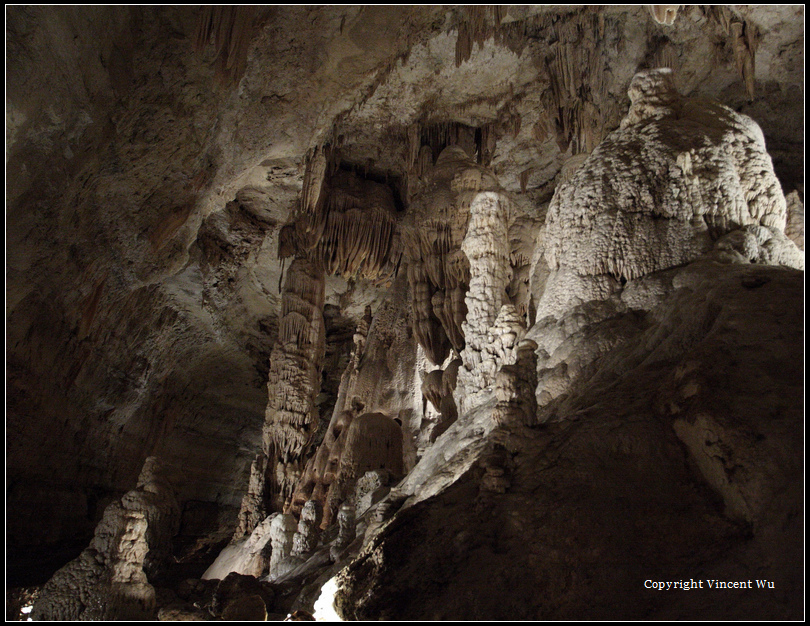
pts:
[110, 579]
[637, 454]
[678, 173]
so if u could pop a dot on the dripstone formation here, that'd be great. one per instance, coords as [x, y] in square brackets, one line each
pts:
[414, 313]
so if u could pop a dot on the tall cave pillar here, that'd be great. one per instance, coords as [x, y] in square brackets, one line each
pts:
[487, 248]
[291, 418]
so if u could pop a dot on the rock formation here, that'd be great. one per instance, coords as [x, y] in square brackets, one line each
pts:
[655, 193]
[282, 532]
[429, 312]
[486, 245]
[110, 579]
[295, 375]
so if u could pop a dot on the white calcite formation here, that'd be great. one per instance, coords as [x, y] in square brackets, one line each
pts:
[308, 534]
[370, 488]
[760, 244]
[438, 272]
[678, 173]
[794, 228]
[110, 579]
[486, 245]
[246, 555]
[282, 532]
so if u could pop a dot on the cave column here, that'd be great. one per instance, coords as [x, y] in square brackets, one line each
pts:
[486, 245]
[291, 419]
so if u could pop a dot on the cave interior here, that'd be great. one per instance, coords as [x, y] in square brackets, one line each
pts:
[404, 312]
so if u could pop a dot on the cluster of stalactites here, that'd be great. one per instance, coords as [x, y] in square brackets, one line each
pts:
[439, 274]
[438, 270]
[742, 36]
[426, 143]
[231, 28]
[295, 373]
[479, 23]
[346, 224]
[572, 109]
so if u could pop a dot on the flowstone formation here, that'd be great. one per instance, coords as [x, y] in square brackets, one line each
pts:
[655, 194]
[679, 180]
[110, 579]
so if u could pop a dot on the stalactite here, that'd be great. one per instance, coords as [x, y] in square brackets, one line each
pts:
[478, 23]
[232, 29]
[744, 43]
[315, 172]
[743, 38]
[347, 224]
[577, 84]
[664, 13]
[524, 180]
[438, 272]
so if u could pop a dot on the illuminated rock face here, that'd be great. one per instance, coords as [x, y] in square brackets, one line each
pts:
[656, 193]
[110, 579]
[427, 262]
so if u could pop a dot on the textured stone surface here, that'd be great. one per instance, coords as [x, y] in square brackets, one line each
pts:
[609, 497]
[166, 165]
[110, 579]
[655, 192]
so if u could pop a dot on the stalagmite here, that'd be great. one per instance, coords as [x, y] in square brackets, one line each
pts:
[487, 247]
[346, 534]
[110, 579]
[438, 272]
[282, 532]
[252, 509]
[308, 534]
[380, 370]
[655, 192]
